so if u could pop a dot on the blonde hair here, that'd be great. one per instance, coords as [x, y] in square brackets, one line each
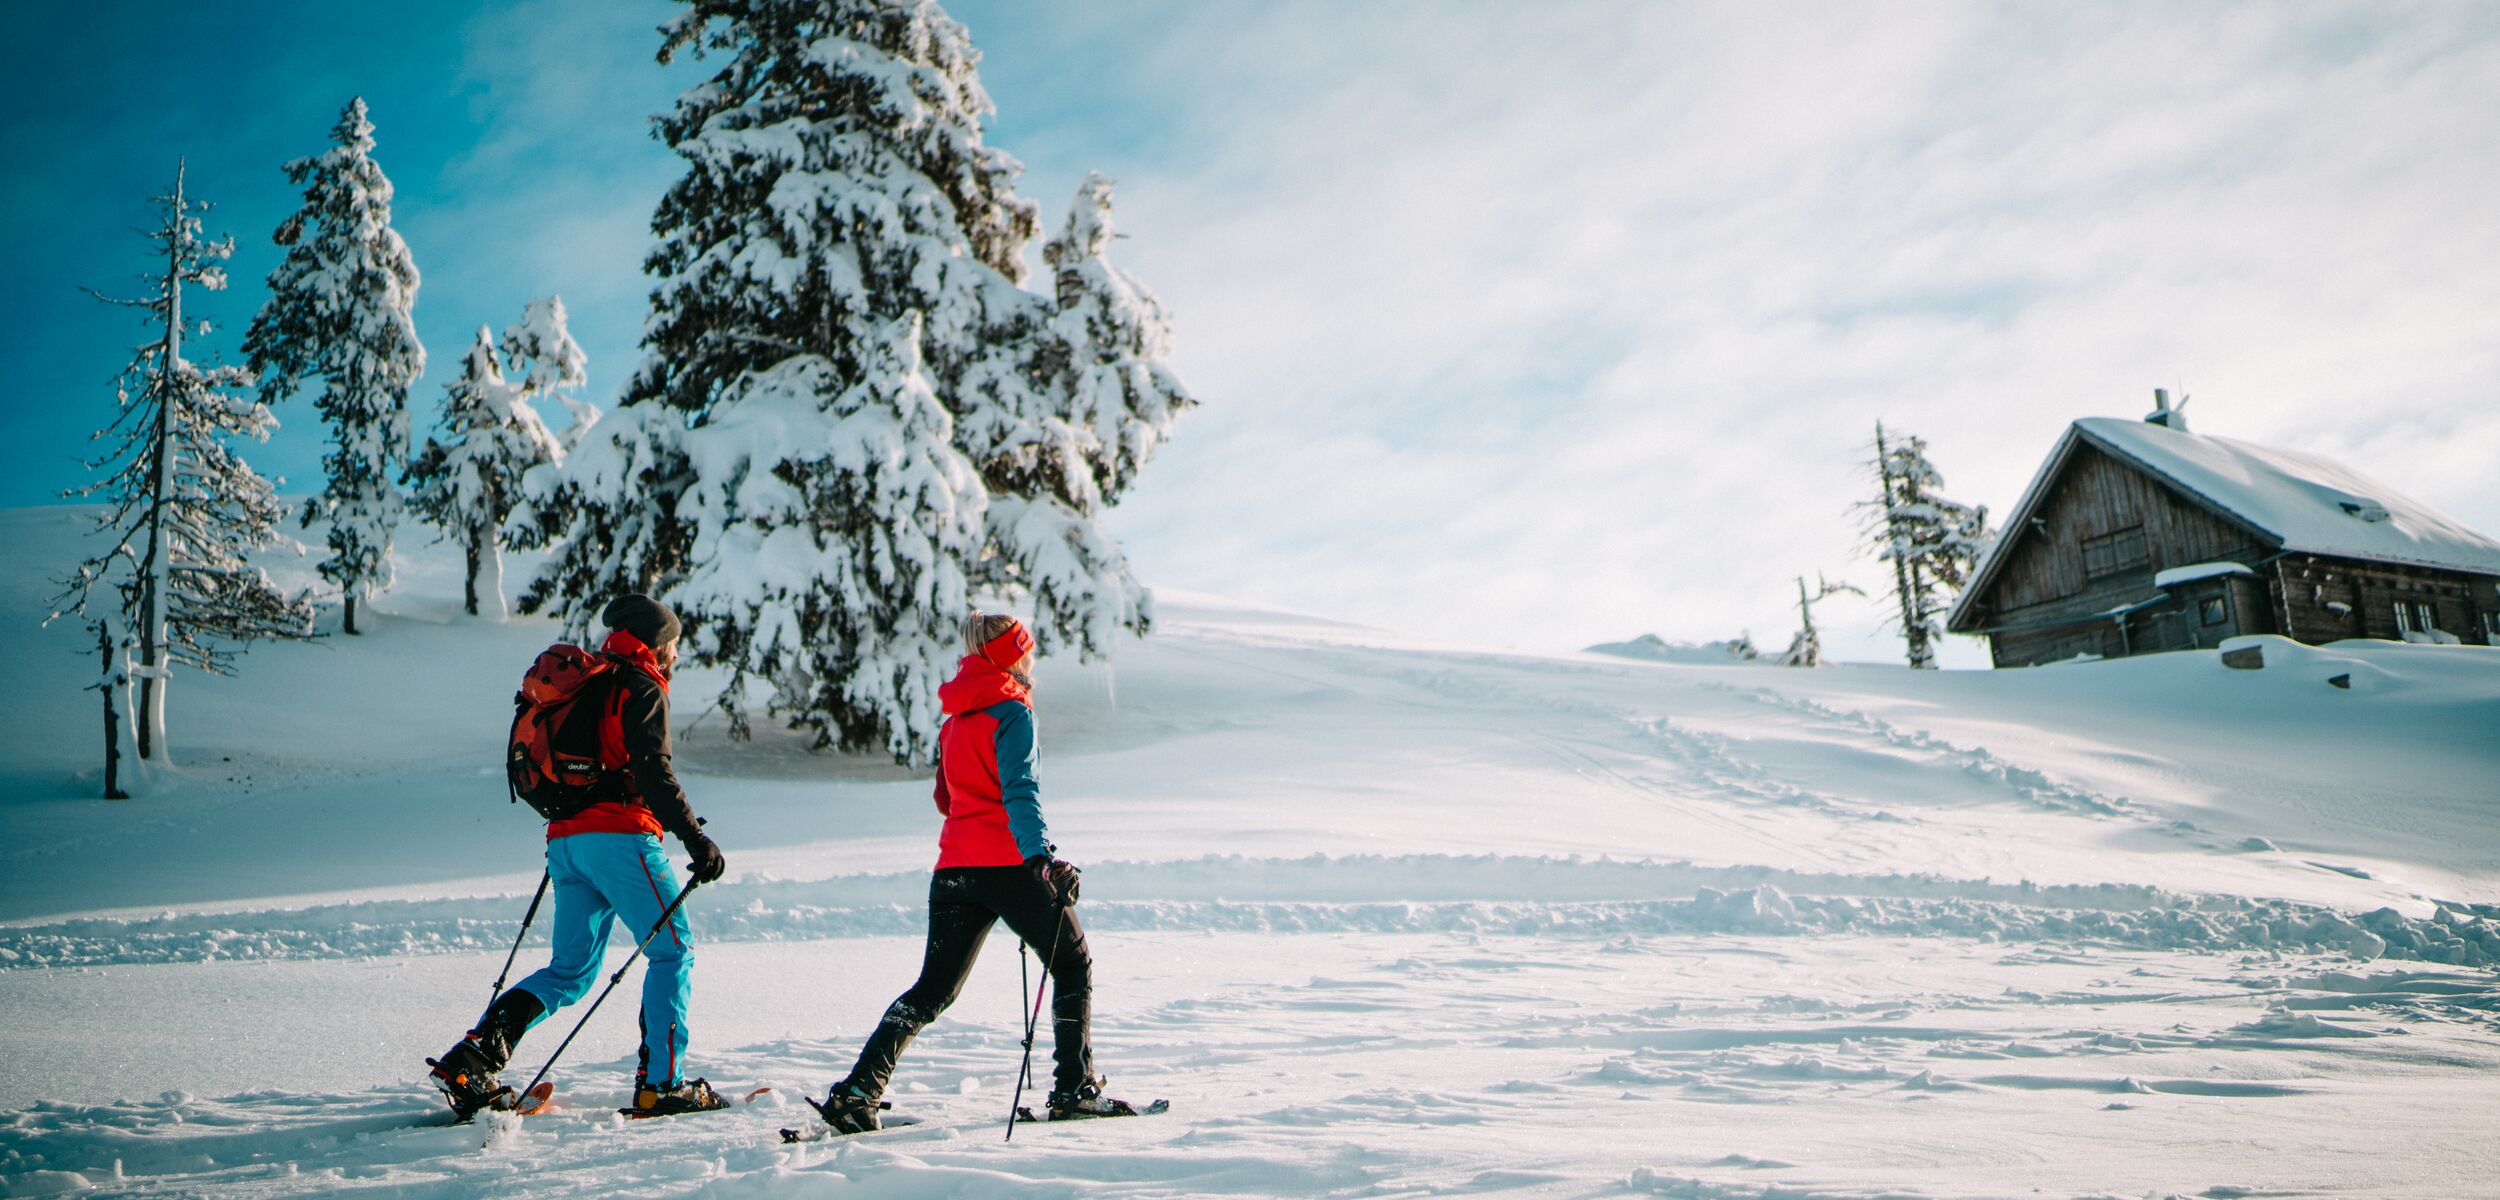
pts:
[980, 629]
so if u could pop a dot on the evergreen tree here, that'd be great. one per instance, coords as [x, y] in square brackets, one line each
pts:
[339, 309]
[470, 484]
[1932, 543]
[1122, 391]
[838, 197]
[182, 510]
[548, 362]
[1061, 422]
[608, 512]
[832, 523]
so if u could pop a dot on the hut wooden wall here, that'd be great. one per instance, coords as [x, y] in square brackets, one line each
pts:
[2046, 579]
[2306, 586]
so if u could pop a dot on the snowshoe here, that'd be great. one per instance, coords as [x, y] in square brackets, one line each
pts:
[820, 1133]
[1086, 1102]
[849, 1110]
[692, 1096]
[466, 1077]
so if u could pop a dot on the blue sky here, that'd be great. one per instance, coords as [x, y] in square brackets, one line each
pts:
[1526, 325]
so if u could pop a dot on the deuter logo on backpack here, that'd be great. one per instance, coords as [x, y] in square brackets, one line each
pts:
[553, 763]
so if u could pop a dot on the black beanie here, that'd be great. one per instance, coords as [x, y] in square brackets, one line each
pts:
[642, 617]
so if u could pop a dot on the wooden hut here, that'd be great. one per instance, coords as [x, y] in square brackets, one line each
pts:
[2138, 536]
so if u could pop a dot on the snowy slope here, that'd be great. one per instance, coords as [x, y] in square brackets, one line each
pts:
[1380, 915]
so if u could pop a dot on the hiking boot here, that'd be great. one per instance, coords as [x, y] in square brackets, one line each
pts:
[1085, 1101]
[466, 1075]
[694, 1095]
[510, 1016]
[849, 1109]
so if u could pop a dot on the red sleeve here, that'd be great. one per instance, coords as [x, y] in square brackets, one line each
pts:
[940, 797]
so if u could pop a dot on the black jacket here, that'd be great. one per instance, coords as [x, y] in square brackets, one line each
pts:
[642, 714]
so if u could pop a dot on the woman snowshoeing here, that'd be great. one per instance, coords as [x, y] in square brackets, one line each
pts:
[994, 863]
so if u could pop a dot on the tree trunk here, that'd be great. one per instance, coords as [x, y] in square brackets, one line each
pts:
[107, 683]
[112, 749]
[1916, 612]
[152, 633]
[349, 625]
[494, 558]
[469, 587]
[152, 716]
[1901, 588]
[147, 698]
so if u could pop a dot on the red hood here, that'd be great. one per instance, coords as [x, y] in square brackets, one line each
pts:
[630, 648]
[978, 684]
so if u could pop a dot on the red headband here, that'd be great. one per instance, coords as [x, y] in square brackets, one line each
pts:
[1009, 648]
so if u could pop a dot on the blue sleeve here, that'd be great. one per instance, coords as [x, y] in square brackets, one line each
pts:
[1019, 789]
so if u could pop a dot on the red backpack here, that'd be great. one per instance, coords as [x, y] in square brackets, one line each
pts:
[553, 763]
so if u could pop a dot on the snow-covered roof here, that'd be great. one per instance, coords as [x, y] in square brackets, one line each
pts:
[2176, 576]
[2300, 502]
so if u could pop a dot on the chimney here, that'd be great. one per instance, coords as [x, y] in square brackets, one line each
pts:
[2164, 415]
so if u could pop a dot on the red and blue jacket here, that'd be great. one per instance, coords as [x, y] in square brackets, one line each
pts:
[986, 786]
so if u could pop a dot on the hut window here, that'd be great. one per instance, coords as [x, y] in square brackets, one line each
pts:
[2212, 611]
[2415, 618]
[2115, 552]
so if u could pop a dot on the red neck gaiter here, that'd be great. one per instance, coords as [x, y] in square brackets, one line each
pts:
[630, 648]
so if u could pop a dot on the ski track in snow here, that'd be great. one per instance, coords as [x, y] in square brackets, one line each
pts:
[2030, 785]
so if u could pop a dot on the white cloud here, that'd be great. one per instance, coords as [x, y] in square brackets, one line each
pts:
[1558, 323]
[1551, 326]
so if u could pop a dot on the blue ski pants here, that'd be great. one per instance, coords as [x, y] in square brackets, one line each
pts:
[600, 879]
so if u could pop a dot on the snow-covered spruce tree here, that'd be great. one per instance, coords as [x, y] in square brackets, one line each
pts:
[182, 510]
[609, 513]
[833, 522]
[469, 484]
[1932, 543]
[339, 310]
[545, 361]
[1061, 420]
[837, 195]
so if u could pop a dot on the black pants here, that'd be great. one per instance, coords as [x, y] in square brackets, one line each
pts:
[963, 903]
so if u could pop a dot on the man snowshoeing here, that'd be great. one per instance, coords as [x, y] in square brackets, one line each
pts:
[607, 865]
[994, 863]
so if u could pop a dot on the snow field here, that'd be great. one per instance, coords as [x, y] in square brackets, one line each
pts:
[1381, 916]
[1388, 1065]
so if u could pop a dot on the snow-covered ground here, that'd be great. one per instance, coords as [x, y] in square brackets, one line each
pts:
[1379, 916]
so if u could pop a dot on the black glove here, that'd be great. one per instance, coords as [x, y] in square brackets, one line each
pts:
[1058, 876]
[708, 863]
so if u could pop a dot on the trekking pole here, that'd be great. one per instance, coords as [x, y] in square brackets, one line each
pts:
[1033, 1018]
[526, 918]
[656, 927]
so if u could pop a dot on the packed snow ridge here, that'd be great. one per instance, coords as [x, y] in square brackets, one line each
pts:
[1480, 894]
